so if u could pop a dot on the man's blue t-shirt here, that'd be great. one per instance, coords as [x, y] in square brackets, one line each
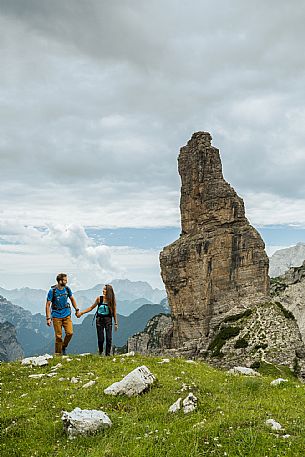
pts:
[61, 301]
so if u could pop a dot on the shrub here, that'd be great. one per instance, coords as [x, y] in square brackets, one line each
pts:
[220, 339]
[241, 343]
[288, 314]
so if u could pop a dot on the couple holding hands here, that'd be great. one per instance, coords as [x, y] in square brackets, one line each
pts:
[58, 311]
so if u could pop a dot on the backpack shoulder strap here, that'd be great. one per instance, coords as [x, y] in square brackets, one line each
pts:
[53, 293]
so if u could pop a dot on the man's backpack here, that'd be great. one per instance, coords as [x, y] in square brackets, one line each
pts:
[54, 300]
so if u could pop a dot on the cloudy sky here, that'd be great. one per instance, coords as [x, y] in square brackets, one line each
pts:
[97, 97]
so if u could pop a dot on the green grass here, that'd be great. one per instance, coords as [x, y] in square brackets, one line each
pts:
[230, 418]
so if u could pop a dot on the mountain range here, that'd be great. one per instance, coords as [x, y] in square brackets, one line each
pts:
[130, 295]
[36, 338]
[283, 259]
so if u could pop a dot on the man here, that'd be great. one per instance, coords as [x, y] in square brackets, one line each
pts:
[57, 299]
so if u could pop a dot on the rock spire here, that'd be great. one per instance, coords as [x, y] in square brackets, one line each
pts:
[219, 263]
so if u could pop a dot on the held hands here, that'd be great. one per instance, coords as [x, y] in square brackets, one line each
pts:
[49, 322]
[78, 314]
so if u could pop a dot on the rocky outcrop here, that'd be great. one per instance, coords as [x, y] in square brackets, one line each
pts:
[283, 259]
[289, 289]
[218, 265]
[216, 278]
[10, 349]
[32, 332]
[156, 336]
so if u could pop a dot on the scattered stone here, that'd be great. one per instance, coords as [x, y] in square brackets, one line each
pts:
[286, 436]
[200, 424]
[61, 379]
[37, 376]
[59, 365]
[68, 359]
[278, 381]
[83, 422]
[189, 403]
[136, 382]
[175, 406]
[128, 354]
[114, 359]
[74, 380]
[84, 354]
[273, 424]
[164, 361]
[191, 361]
[89, 384]
[243, 370]
[23, 395]
[39, 361]
[50, 375]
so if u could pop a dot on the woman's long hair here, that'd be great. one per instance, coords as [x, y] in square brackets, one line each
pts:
[110, 297]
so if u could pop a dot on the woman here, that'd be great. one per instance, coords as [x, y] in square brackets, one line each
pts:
[106, 310]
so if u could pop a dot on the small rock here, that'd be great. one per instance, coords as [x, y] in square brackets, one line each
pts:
[59, 365]
[61, 379]
[191, 361]
[39, 361]
[273, 424]
[128, 354]
[136, 382]
[175, 406]
[286, 436]
[83, 422]
[243, 370]
[50, 375]
[189, 403]
[37, 376]
[164, 361]
[89, 384]
[84, 354]
[278, 381]
[74, 380]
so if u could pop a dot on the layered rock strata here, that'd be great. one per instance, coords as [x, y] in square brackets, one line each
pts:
[218, 265]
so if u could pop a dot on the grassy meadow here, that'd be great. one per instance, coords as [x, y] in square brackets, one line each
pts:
[229, 420]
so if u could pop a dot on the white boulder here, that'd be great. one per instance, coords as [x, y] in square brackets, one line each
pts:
[175, 406]
[189, 403]
[83, 422]
[273, 424]
[243, 370]
[278, 381]
[136, 382]
[89, 384]
[38, 361]
[128, 354]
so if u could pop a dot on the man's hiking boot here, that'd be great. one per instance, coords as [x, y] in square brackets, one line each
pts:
[64, 351]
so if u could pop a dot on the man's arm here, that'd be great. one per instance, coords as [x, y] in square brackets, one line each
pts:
[48, 313]
[72, 299]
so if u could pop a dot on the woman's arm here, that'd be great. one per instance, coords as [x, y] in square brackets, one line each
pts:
[114, 317]
[87, 310]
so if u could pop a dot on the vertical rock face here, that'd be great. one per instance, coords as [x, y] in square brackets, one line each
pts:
[10, 349]
[219, 263]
